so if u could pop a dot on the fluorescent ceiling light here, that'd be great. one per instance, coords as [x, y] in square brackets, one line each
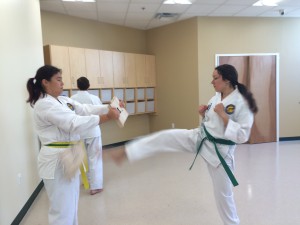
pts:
[266, 3]
[186, 2]
[79, 0]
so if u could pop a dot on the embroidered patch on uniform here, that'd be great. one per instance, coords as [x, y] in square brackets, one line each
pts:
[230, 109]
[208, 107]
[70, 106]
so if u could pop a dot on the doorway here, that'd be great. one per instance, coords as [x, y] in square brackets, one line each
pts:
[259, 72]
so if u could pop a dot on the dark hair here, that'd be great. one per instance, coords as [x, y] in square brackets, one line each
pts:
[34, 85]
[228, 72]
[83, 83]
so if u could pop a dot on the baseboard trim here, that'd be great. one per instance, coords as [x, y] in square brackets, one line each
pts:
[289, 139]
[27, 205]
[114, 145]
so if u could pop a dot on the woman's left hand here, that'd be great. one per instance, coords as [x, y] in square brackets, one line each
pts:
[121, 104]
[219, 109]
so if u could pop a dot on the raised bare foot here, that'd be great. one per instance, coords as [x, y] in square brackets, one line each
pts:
[95, 191]
[118, 155]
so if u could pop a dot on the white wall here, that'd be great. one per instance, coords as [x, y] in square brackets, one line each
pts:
[21, 54]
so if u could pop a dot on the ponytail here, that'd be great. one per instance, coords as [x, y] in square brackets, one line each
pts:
[35, 90]
[248, 96]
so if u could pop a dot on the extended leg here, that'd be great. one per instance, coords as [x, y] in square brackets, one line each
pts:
[173, 140]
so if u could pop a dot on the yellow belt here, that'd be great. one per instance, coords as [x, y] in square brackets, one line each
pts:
[84, 164]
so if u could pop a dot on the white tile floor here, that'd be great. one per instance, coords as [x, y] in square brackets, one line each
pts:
[162, 191]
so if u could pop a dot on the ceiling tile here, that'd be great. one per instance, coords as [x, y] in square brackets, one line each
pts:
[140, 14]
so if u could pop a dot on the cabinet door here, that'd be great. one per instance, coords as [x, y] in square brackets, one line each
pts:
[92, 60]
[77, 65]
[119, 69]
[106, 67]
[140, 69]
[58, 56]
[130, 70]
[150, 71]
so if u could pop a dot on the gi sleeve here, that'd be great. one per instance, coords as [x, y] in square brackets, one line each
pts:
[88, 109]
[68, 121]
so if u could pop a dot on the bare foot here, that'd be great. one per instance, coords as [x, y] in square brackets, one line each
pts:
[118, 155]
[95, 191]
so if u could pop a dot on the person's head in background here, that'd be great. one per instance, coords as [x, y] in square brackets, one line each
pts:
[83, 83]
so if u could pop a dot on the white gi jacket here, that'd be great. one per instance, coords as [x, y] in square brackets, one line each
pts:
[238, 128]
[61, 120]
[84, 97]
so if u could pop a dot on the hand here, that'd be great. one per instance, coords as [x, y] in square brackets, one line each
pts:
[202, 109]
[121, 104]
[113, 113]
[219, 109]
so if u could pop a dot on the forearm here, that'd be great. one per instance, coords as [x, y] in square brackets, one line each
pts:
[224, 118]
[103, 119]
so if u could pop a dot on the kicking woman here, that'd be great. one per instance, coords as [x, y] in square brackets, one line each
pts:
[227, 121]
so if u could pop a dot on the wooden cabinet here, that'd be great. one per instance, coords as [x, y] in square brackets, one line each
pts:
[145, 70]
[119, 69]
[130, 73]
[150, 71]
[129, 76]
[77, 65]
[58, 56]
[124, 69]
[140, 68]
[106, 65]
[93, 70]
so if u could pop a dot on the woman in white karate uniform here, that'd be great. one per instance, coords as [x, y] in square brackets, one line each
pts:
[59, 121]
[227, 120]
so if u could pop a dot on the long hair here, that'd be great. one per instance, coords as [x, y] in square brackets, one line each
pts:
[34, 85]
[228, 72]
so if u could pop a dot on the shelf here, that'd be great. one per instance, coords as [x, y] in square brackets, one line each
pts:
[150, 106]
[136, 100]
[150, 93]
[106, 95]
[141, 107]
[140, 94]
[129, 94]
[119, 92]
[130, 107]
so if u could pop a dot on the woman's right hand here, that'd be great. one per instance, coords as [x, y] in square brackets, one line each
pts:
[202, 109]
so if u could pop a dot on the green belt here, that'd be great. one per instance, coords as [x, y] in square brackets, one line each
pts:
[62, 144]
[216, 141]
